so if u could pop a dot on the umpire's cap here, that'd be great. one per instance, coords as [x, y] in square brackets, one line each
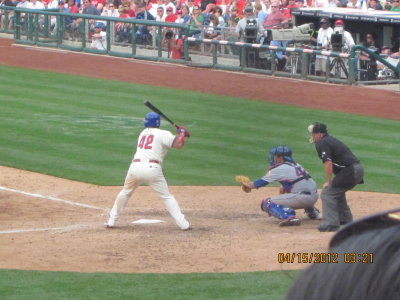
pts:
[318, 128]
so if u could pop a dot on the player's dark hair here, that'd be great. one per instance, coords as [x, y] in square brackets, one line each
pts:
[368, 264]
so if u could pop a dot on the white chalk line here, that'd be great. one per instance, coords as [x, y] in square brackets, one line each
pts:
[50, 198]
[43, 229]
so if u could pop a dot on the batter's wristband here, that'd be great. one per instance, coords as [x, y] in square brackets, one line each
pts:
[181, 138]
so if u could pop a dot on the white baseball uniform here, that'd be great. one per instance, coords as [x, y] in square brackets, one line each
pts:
[146, 167]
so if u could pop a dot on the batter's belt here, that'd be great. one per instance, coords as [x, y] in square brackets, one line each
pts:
[154, 161]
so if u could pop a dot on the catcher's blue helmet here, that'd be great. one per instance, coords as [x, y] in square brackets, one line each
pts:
[151, 120]
[284, 151]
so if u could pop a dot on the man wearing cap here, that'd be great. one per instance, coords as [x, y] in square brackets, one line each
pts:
[171, 17]
[240, 30]
[338, 160]
[348, 40]
[99, 39]
[323, 41]
[168, 3]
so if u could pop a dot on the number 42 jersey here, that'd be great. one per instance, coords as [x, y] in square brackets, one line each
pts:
[153, 144]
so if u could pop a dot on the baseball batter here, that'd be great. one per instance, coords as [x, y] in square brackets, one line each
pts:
[298, 189]
[146, 167]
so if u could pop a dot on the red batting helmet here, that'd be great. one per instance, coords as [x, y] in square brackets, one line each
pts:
[339, 22]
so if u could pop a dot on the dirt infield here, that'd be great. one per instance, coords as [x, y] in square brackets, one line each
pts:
[48, 223]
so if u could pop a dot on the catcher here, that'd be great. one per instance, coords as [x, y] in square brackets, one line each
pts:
[298, 189]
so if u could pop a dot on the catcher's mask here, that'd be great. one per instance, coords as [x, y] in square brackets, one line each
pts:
[151, 120]
[283, 151]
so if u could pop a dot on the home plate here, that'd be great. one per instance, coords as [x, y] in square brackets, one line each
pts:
[147, 221]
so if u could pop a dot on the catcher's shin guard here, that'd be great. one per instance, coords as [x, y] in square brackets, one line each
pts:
[264, 205]
[286, 214]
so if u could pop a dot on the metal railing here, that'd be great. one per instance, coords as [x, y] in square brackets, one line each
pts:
[51, 29]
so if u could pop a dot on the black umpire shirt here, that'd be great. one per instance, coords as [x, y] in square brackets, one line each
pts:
[330, 148]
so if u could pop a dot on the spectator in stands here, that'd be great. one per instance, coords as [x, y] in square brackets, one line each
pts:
[53, 4]
[148, 4]
[320, 3]
[207, 5]
[275, 19]
[190, 4]
[53, 19]
[386, 52]
[170, 16]
[354, 4]
[372, 43]
[366, 61]
[185, 14]
[10, 25]
[267, 5]
[240, 4]
[259, 13]
[110, 11]
[99, 38]
[287, 10]
[334, 3]
[126, 9]
[323, 41]
[143, 35]
[217, 11]
[99, 4]
[155, 6]
[73, 7]
[300, 3]
[35, 4]
[160, 16]
[168, 3]
[179, 19]
[196, 21]
[231, 12]
[123, 30]
[375, 5]
[395, 5]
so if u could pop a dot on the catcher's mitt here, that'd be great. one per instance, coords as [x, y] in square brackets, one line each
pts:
[242, 179]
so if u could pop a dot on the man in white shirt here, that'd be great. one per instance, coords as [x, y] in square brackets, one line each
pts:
[99, 38]
[323, 42]
[35, 4]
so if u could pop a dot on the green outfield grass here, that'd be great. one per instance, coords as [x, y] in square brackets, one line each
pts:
[85, 129]
[28, 285]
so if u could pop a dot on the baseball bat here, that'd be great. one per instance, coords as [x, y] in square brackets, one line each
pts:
[156, 110]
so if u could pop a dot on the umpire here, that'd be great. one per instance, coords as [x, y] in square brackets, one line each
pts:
[340, 161]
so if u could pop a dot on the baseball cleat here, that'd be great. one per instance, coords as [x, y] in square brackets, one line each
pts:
[185, 226]
[290, 222]
[110, 223]
[328, 228]
[313, 213]
[106, 225]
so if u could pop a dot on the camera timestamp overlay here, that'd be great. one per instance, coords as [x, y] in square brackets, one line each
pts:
[325, 257]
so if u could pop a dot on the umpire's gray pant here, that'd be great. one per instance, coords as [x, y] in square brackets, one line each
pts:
[335, 210]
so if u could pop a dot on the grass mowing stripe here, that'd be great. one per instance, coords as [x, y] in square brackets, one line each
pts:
[69, 285]
[94, 122]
